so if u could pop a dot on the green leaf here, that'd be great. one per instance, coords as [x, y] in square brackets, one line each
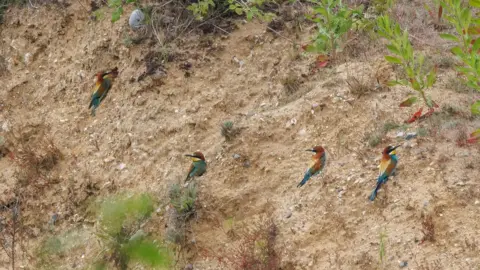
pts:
[393, 59]
[393, 49]
[476, 46]
[474, 3]
[408, 102]
[449, 37]
[147, 252]
[476, 108]
[457, 51]
[429, 102]
[116, 14]
[239, 11]
[432, 77]
[415, 85]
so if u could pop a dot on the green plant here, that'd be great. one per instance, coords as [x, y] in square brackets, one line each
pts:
[334, 20]
[382, 250]
[459, 15]
[117, 6]
[415, 75]
[183, 200]
[228, 131]
[381, 7]
[249, 8]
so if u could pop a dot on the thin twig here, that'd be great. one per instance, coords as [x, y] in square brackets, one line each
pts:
[31, 4]
[225, 31]
[280, 35]
[79, 1]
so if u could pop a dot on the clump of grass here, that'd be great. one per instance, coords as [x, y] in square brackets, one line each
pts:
[461, 136]
[228, 130]
[35, 160]
[458, 85]
[445, 62]
[422, 132]
[183, 200]
[359, 87]
[374, 139]
[291, 83]
[390, 126]
[428, 228]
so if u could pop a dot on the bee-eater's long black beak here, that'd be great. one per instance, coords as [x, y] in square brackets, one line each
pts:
[310, 150]
[188, 155]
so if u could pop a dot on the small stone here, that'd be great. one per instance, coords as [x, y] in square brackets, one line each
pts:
[246, 164]
[188, 267]
[136, 19]
[236, 156]
[462, 154]
[400, 134]
[477, 202]
[461, 183]
[121, 166]
[109, 159]
[411, 135]
[289, 214]
[302, 132]
[403, 264]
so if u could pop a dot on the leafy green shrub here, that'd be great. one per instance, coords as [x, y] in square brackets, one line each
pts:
[459, 15]
[251, 9]
[415, 75]
[334, 20]
[121, 239]
[119, 229]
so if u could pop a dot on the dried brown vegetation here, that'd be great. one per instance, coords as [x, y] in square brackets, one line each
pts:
[256, 249]
[428, 228]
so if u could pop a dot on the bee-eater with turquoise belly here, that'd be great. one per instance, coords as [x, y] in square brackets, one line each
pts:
[198, 167]
[102, 86]
[388, 164]
[318, 163]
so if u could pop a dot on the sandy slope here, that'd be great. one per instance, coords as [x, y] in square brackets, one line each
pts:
[149, 127]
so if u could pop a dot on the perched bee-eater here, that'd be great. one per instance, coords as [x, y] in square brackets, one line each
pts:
[198, 167]
[102, 86]
[388, 164]
[319, 160]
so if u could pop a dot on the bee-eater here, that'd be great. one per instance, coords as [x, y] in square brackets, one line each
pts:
[319, 161]
[102, 86]
[388, 164]
[198, 167]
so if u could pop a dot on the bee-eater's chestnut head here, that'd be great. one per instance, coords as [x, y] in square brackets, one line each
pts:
[196, 156]
[99, 76]
[390, 150]
[317, 149]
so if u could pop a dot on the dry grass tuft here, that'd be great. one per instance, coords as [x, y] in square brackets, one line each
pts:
[228, 130]
[256, 249]
[359, 87]
[428, 228]
[291, 83]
